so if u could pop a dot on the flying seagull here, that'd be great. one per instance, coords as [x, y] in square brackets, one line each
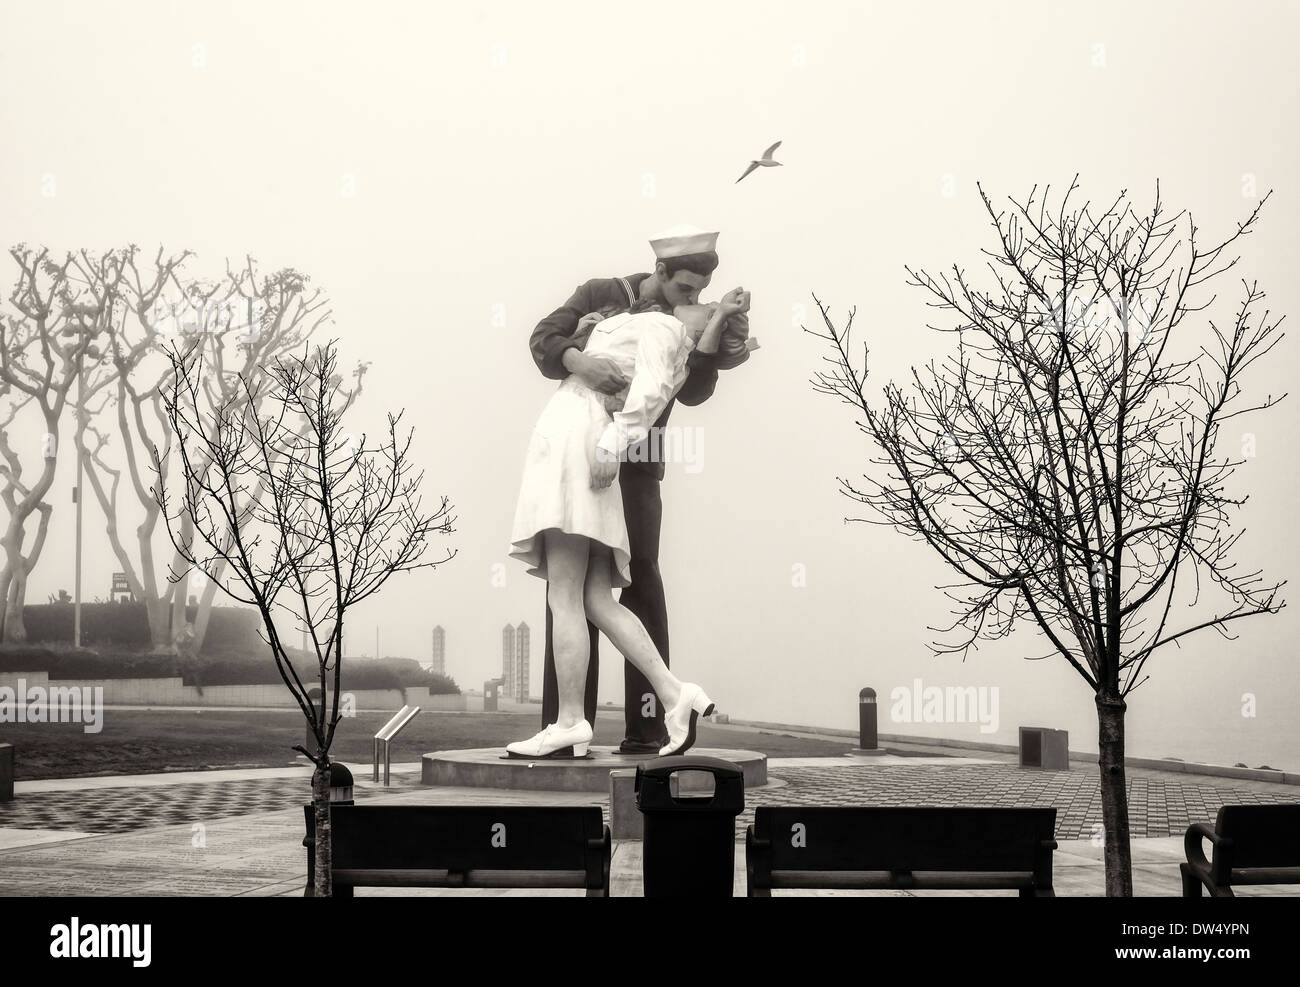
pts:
[764, 162]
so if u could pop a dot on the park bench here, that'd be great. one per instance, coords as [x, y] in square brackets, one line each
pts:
[463, 846]
[1250, 844]
[901, 848]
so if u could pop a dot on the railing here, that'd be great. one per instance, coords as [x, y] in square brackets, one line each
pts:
[385, 738]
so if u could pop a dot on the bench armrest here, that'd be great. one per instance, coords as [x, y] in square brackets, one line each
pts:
[1192, 844]
[758, 865]
[602, 848]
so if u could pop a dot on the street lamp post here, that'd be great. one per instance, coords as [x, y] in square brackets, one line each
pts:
[76, 497]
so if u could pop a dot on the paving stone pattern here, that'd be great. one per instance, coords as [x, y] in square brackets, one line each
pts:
[123, 810]
[1160, 804]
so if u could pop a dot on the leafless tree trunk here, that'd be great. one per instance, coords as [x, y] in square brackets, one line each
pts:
[51, 339]
[239, 320]
[13, 575]
[1064, 460]
[309, 522]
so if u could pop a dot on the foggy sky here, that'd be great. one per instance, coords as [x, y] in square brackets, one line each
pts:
[501, 153]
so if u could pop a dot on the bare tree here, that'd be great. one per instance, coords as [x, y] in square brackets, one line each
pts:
[55, 335]
[309, 523]
[240, 320]
[1066, 460]
[19, 506]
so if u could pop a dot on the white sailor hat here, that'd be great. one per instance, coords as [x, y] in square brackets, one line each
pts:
[681, 240]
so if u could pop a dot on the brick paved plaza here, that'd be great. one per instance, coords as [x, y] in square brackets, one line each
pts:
[138, 835]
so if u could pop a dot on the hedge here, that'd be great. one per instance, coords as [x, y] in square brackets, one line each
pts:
[358, 673]
[125, 626]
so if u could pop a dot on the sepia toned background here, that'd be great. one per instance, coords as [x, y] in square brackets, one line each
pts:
[448, 173]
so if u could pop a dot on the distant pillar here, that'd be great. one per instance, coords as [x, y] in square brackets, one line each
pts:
[508, 655]
[867, 719]
[867, 736]
[522, 654]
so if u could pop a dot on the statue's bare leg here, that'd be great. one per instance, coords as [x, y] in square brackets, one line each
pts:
[622, 626]
[566, 570]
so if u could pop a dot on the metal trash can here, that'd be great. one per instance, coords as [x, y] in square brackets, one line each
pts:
[689, 844]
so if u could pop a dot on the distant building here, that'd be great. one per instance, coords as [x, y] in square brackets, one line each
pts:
[120, 588]
[521, 663]
[508, 661]
[439, 666]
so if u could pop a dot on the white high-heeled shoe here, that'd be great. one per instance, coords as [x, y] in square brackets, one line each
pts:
[554, 741]
[680, 720]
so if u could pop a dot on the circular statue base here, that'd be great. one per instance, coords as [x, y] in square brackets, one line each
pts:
[484, 767]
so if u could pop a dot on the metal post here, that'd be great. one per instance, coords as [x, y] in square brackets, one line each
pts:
[385, 736]
[76, 608]
[868, 740]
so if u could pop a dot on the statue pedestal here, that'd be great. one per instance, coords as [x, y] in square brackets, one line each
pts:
[484, 767]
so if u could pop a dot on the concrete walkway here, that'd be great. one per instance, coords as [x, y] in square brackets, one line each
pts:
[239, 832]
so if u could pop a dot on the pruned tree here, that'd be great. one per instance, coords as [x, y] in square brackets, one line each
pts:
[53, 333]
[1067, 460]
[308, 523]
[19, 506]
[240, 320]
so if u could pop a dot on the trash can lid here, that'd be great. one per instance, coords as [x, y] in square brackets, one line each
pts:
[654, 789]
[662, 767]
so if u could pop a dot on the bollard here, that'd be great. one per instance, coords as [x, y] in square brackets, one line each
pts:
[868, 740]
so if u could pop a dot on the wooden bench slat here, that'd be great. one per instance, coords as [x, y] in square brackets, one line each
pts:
[467, 846]
[1262, 835]
[434, 838]
[901, 847]
[875, 880]
[1266, 875]
[870, 838]
[414, 878]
